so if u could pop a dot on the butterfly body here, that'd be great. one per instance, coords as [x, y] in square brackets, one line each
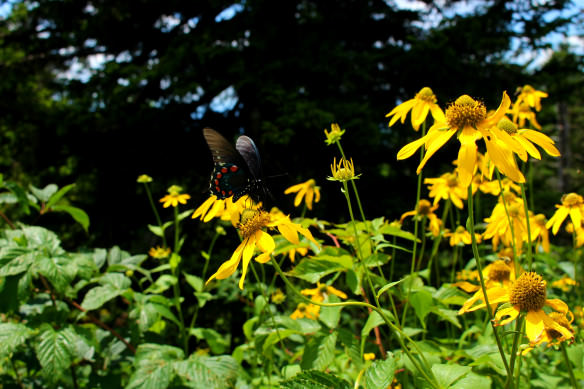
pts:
[236, 172]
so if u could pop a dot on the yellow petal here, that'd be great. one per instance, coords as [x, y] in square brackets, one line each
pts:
[543, 141]
[294, 188]
[510, 313]
[409, 149]
[288, 232]
[264, 241]
[534, 324]
[248, 251]
[228, 267]
[558, 305]
[435, 141]
[204, 207]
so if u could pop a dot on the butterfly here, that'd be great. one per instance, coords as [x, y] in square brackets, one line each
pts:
[236, 172]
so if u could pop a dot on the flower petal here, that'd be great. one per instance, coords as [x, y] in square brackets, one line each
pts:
[228, 267]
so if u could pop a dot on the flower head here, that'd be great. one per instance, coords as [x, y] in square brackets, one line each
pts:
[468, 118]
[531, 97]
[174, 197]
[507, 223]
[424, 102]
[309, 311]
[522, 112]
[144, 179]
[447, 187]
[573, 205]
[425, 209]
[251, 227]
[564, 283]
[159, 252]
[459, 237]
[307, 190]
[225, 209]
[343, 171]
[334, 135]
[322, 291]
[369, 356]
[278, 296]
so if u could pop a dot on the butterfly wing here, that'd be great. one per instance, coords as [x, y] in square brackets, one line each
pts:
[251, 155]
[230, 176]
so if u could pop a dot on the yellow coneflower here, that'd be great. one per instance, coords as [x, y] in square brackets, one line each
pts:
[307, 191]
[174, 197]
[424, 102]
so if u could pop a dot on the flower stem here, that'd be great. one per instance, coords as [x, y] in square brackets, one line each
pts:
[573, 380]
[156, 215]
[475, 250]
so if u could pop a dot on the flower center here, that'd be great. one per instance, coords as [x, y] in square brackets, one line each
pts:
[465, 112]
[252, 221]
[426, 95]
[529, 292]
[424, 207]
[460, 230]
[572, 200]
[561, 319]
[528, 89]
[515, 210]
[302, 307]
[507, 126]
[540, 219]
[451, 180]
[499, 271]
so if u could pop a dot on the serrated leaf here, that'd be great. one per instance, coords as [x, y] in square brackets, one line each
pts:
[380, 374]
[313, 379]
[446, 375]
[319, 352]
[351, 345]
[15, 260]
[203, 372]
[54, 351]
[117, 280]
[54, 199]
[449, 315]
[79, 215]
[374, 320]
[23, 199]
[59, 271]
[12, 335]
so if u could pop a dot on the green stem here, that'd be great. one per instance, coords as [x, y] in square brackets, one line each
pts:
[573, 380]
[156, 215]
[475, 250]
[529, 243]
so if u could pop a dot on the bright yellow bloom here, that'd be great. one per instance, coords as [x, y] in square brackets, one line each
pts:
[564, 283]
[460, 237]
[550, 335]
[531, 97]
[322, 291]
[174, 197]
[335, 135]
[573, 205]
[159, 252]
[278, 296]
[528, 294]
[225, 209]
[522, 112]
[343, 171]
[144, 179]
[445, 187]
[369, 356]
[579, 234]
[309, 311]
[424, 102]
[468, 118]
[425, 210]
[539, 233]
[297, 250]
[498, 224]
[500, 273]
[522, 141]
[251, 227]
[307, 190]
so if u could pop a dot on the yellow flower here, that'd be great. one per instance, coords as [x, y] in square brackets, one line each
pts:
[251, 227]
[278, 296]
[343, 171]
[531, 97]
[225, 209]
[445, 187]
[424, 102]
[550, 335]
[369, 356]
[308, 189]
[579, 234]
[159, 252]
[174, 197]
[498, 227]
[522, 112]
[564, 283]
[468, 118]
[500, 273]
[459, 237]
[297, 250]
[309, 311]
[539, 233]
[425, 210]
[144, 178]
[521, 140]
[573, 205]
[528, 294]
[335, 135]
[322, 291]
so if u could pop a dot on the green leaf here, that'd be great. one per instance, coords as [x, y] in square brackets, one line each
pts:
[155, 366]
[15, 260]
[79, 215]
[380, 374]
[203, 372]
[376, 259]
[312, 270]
[449, 315]
[45, 193]
[54, 351]
[446, 375]
[319, 352]
[217, 342]
[387, 287]
[156, 230]
[475, 381]
[12, 335]
[163, 283]
[100, 295]
[351, 345]
[54, 199]
[197, 283]
[313, 379]
[422, 301]
[330, 315]
[59, 271]
[374, 320]
[275, 338]
[23, 199]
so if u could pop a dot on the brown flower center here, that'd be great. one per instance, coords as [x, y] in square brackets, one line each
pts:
[424, 208]
[529, 292]
[252, 221]
[508, 126]
[499, 271]
[561, 319]
[451, 180]
[572, 200]
[465, 112]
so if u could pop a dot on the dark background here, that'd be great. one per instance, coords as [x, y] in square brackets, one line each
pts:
[294, 66]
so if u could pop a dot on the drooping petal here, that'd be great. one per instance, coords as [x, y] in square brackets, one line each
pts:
[409, 149]
[227, 268]
[309, 197]
[264, 241]
[299, 196]
[542, 141]
[557, 305]
[419, 113]
[215, 210]
[576, 216]
[510, 313]
[294, 188]
[435, 141]
[557, 219]
[204, 207]
[467, 155]
[534, 324]
[528, 146]
[248, 251]
[498, 115]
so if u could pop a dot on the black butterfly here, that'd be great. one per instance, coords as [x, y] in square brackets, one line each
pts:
[235, 173]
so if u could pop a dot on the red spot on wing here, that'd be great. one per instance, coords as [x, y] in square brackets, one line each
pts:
[219, 175]
[234, 168]
[217, 182]
[224, 170]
